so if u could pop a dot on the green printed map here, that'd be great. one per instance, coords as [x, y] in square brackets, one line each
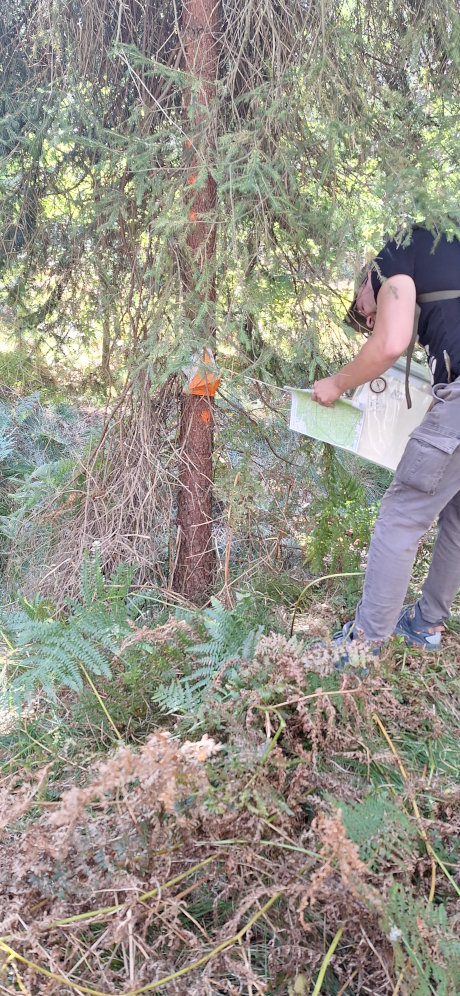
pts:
[340, 425]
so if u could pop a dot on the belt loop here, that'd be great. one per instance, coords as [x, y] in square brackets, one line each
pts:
[434, 391]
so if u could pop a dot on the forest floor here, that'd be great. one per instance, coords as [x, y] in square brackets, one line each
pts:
[193, 800]
[228, 813]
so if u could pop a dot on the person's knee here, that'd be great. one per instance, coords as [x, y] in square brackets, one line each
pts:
[399, 535]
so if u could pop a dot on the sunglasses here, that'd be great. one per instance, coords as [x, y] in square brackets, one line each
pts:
[355, 319]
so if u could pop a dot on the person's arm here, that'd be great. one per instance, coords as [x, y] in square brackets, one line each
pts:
[392, 334]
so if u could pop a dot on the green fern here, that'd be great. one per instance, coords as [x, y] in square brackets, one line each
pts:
[384, 833]
[94, 586]
[52, 652]
[185, 696]
[179, 697]
[232, 633]
[420, 931]
[422, 934]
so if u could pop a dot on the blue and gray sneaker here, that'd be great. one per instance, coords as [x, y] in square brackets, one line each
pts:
[352, 648]
[416, 632]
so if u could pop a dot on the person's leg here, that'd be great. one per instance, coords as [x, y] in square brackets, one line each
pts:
[392, 551]
[426, 482]
[443, 580]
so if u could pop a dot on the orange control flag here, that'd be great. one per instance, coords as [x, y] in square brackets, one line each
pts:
[203, 378]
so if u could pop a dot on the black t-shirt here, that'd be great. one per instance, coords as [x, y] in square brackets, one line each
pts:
[432, 268]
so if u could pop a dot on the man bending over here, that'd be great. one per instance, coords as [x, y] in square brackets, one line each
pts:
[427, 480]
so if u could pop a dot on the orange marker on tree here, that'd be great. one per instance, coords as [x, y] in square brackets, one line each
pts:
[202, 374]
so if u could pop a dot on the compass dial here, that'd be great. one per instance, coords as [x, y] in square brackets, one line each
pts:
[378, 385]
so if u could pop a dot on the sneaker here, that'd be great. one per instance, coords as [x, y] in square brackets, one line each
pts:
[416, 632]
[352, 648]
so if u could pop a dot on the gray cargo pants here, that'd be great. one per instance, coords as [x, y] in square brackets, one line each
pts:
[426, 485]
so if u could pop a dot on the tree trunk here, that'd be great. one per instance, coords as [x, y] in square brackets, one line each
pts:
[194, 558]
[105, 356]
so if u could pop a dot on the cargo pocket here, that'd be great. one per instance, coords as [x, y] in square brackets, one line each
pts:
[425, 459]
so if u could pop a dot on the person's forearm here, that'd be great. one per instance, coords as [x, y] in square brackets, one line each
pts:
[393, 328]
[372, 361]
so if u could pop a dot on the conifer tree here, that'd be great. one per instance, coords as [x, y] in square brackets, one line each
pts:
[200, 24]
[314, 128]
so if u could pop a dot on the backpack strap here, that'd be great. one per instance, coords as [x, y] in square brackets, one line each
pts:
[410, 350]
[446, 295]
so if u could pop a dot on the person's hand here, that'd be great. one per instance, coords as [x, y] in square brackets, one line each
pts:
[326, 391]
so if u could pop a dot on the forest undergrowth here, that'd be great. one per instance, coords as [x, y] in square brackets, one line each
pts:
[193, 800]
[223, 811]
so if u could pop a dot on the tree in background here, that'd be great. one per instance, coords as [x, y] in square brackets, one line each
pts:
[320, 127]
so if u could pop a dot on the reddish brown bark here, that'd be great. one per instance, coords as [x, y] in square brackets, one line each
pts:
[194, 570]
[194, 559]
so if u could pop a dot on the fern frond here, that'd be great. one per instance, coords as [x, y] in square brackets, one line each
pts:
[425, 944]
[385, 834]
[232, 635]
[178, 697]
[50, 653]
